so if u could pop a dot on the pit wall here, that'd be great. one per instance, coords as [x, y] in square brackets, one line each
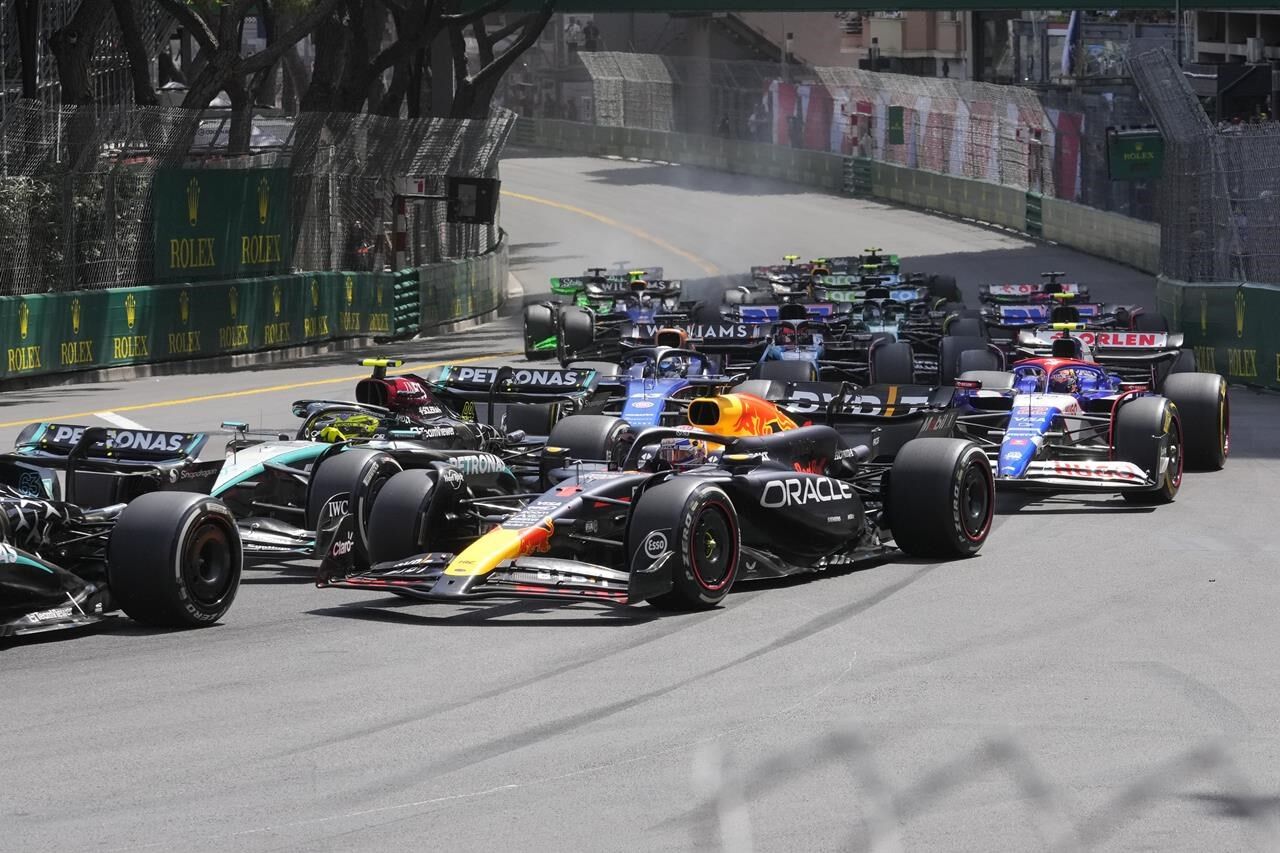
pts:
[92, 330]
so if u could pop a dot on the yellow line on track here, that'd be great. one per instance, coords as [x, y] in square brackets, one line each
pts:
[702, 263]
[248, 392]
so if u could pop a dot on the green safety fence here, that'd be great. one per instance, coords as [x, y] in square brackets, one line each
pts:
[50, 333]
[1234, 329]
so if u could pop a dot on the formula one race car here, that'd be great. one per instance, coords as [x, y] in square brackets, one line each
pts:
[137, 532]
[488, 422]
[740, 494]
[574, 289]
[1065, 424]
[1030, 292]
[552, 330]
[1136, 356]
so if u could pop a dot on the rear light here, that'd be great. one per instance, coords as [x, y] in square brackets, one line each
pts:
[969, 384]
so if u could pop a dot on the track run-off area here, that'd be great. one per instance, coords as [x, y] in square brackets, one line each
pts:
[1101, 676]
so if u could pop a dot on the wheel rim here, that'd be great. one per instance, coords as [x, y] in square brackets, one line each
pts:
[975, 502]
[208, 564]
[713, 548]
[1173, 455]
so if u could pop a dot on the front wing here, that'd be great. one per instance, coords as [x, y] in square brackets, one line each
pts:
[1078, 476]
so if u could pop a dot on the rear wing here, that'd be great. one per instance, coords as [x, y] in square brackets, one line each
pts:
[510, 383]
[1014, 293]
[1105, 341]
[756, 314]
[54, 442]
[1030, 315]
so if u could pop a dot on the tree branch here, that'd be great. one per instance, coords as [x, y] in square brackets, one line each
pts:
[191, 22]
[534, 23]
[267, 57]
[464, 18]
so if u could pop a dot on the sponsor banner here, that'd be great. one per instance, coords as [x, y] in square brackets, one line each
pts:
[215, 223]
[1231, 328]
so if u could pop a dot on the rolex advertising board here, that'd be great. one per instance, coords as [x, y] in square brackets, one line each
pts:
[213, 223]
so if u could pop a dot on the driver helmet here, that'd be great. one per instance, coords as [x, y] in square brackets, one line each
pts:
[1064, 382]
[681, 452]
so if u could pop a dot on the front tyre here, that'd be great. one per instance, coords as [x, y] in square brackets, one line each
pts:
[174, 560]
[1146, 432]
[699, 527]
[941, 498]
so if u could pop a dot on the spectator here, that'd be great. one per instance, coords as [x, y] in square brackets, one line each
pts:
[573, 36]
[755, 125]
[359, 248]
[591, 37]
[571, 110]
[723, 128]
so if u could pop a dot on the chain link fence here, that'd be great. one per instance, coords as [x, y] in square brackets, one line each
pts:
[76, 183]
[1051, 142]
[1220, 203]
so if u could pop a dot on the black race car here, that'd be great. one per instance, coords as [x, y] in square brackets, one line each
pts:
[137, 532]
[676, 519]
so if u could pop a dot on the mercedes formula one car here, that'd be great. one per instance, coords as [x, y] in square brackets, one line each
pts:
[739, 494]
[137, 532]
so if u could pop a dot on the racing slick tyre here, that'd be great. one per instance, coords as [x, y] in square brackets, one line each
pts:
[698, 524]
[539, 324]
[966, 327]
[941, 498]
[358, 473]
[400, 519]
[707, 314]
[785, 371]
[945, 286]
[174, 560]
[893, 364]
[577, 332]
[589, 438]
[1145, 322]
[1204, 412]
[950, 349]
[978, 360]
[1147, 433]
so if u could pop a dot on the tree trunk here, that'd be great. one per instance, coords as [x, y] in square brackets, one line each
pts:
[297, 79]
[72, 48]
[331, 54]
[28, 15]
[394, 97]
[241, 132]
[139, 62]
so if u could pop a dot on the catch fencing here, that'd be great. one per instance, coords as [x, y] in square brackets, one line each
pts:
[1220, 211]
[77, 188]
[1050, 142]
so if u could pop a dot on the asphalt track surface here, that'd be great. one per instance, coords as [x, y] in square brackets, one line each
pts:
[1099, 676]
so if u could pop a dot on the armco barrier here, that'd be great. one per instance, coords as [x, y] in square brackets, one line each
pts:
[1234, 328]
[55, 333]
[1107, 234]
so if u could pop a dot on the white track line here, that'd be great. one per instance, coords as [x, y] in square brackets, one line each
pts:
[118, 420]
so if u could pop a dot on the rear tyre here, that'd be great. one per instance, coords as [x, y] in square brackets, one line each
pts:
[966, 327]
[1204, 410]
[945, 287]
[941, 498]
[785, 371]
[703, 536]
[1145, 322]
[978, 360]
[577, 332]
[360, 474]
[949, 351]
[174, 560]
[707, 314]
[1146, 432]
[539, 325]
[893, 364]
[593, 439]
